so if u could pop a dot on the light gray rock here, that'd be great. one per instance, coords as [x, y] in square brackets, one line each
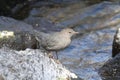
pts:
[31, 65]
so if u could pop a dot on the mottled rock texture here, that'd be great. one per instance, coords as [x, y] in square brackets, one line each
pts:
[16, 35]
[111, 69]
[31, 65]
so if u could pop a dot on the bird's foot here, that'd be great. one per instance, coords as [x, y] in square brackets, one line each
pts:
[50, 55]
[57, 61]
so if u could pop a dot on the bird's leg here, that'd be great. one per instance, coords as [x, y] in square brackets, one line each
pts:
[56, 54]
[57, 61]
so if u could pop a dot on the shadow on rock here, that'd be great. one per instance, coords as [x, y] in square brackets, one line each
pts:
[111, 69]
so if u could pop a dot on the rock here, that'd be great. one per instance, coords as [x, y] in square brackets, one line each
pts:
[31, 65]
[16, 35]
[15, 8]
[111, 69]
[116, 43]
[10, 24]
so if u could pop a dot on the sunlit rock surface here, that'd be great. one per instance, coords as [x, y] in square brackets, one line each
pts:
[31, 65]
[98, 24]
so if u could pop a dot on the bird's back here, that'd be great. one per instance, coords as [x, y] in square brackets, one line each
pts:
[56, 41]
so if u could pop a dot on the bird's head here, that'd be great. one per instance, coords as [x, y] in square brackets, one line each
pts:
[69, 32]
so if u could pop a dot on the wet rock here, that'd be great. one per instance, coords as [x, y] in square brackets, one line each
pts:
[20, 9]
[73, 1]
[31, 65]
[116, 43]
[15, 8]
[77, 15]
[41, 24]
[16, 35]
[111, 69]
[44, 17]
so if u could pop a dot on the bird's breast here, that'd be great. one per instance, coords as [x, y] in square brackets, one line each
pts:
[64, 43]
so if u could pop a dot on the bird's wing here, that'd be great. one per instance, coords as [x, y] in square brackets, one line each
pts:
[52, 41]
[51, 44]
[48, 41]
[40, 36]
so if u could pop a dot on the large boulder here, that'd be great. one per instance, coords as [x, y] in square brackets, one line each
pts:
[31, 65]
[16, 34]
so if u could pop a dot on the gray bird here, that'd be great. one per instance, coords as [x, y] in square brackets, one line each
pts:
[56, 41]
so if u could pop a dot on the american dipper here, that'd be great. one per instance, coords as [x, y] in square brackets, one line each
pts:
[58, 40]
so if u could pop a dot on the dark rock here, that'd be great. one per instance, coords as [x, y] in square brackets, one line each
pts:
[111, 69]
[116, 43]
[16, 35]
[15, 8]
[20, 41]
[20, 9]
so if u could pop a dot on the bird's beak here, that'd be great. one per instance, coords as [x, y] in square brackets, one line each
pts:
[76, 32]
